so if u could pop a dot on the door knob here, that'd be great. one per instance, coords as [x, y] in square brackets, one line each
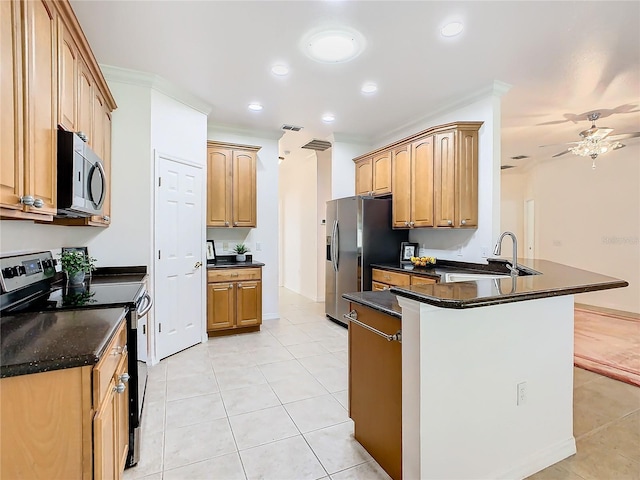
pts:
[198, 265]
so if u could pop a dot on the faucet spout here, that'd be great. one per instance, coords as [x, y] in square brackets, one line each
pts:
[513, 268]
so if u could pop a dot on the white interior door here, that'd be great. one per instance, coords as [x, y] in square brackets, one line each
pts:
[178, 256]
[529, 229]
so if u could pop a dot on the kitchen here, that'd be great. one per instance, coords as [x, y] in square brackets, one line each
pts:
[151, 120]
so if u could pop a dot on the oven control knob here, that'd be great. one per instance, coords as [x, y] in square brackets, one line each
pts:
[8, 272]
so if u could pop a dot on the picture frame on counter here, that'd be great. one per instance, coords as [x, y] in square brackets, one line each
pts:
[408, 250]
[211, 251]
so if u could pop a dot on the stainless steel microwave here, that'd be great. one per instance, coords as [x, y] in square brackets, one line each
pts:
[82, 182]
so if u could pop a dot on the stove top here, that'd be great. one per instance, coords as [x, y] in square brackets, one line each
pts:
[86, 296]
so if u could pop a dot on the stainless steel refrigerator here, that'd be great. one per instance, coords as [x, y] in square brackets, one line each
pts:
[358, 234]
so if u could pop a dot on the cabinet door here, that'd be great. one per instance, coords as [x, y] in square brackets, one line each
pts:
[377, 286]
[85, 99]
[249, 304]
[364, 177]
[41, 105]
[444, 179]
[96, 137]
[220, 306]
[381, 165]
[106, 208]
[422, 182]
[401, 203]
[219, 171]
[122, 418]
[244, 189]
[419, 280]
[105, 437]
[67, 78]
[467, 179]
[11, 140]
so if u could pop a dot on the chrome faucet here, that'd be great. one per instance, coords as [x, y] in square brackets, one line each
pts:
[513, 268]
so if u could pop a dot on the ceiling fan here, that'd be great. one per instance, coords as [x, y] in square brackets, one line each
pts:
[595, 141]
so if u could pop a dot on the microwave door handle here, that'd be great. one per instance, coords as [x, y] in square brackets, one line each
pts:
[103, 180]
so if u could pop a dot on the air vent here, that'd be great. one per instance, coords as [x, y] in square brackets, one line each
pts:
[519, 157]
[505, 167]
[319, 145]
[291, 128]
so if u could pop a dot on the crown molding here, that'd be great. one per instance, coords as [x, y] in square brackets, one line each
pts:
[155, 82]
[495, 89]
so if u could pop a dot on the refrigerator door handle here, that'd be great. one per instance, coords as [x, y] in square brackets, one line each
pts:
[337, 258]
[334, 246]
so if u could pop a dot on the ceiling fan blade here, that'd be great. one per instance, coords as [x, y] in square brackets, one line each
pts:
[558, 144]
[622, 136]
[619, 146]
[596, 133]
[560, 154]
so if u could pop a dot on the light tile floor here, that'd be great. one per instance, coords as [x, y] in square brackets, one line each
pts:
[273, 405]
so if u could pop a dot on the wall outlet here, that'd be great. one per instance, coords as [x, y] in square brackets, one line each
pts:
[522, 394]
[459, 251]
[485, 252]
[225, 246]
[258, 247]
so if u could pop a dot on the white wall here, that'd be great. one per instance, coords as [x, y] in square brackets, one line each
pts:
[324, 195]
[472, 245]
[267, 231]
[513, 188]
[298, 195]
[343, 171]
[588, 219]
[126, 240]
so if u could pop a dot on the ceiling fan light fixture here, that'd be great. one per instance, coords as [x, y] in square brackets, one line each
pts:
[590, 147]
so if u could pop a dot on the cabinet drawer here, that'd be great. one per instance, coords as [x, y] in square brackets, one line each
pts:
[376, 286]
[233, 274]
[104, 371]
[420, 280]
[391, 278]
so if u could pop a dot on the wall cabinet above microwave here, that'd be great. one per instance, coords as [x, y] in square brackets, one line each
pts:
[47, 64]
[231, 185]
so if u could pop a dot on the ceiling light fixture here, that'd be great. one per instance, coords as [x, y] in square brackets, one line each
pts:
[280, 70]
[451, 29]
[335, 45]
[255, 107]
[328, 117]
[592, 147]
[369, 88]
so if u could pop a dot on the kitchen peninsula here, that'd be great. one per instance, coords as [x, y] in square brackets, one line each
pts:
[486, 368]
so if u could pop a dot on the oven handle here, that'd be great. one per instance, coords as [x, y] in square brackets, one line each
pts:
[147, 302]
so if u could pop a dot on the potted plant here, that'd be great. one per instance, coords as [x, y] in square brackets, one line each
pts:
[241, 252]
[76, 264]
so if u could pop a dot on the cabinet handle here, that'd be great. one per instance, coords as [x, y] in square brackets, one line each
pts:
[38, 203]
[449, 222]
[464, 221]
[226, 224]
[411, 224]
[234, 274]
[119, 388]
[106, 218]
[124, 378]
[27, 200]
[230, 286]
[352, 316]
[239, 285]
[235, 224]
[117, 350]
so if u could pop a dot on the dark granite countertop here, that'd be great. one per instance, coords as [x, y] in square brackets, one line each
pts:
[382, 300]
[45, 341]
[211, 266]
[133, 274]
[554, 279]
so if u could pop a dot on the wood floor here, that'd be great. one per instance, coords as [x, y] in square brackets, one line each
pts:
[608, 343]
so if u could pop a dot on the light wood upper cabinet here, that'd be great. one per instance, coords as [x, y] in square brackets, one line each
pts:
[364, 176]
[434, 177]
[67, 79]
[381, 165]
[231, 185]
[11, 113]
[373, 174]
[456, 178]
[85, 100]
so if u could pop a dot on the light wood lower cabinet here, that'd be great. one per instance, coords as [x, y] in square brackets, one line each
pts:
[385, 279]
[375, 372]
[234, 299]
[69, 423]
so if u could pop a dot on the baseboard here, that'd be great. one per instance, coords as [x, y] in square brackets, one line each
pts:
[270, 316]
[607, 311]
[539, 461]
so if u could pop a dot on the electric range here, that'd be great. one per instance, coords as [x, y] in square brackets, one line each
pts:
[30, 284]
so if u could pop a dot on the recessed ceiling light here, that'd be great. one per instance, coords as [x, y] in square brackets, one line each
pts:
[451, 29]
[280, 70]
[256, 107]
[335, 45]
[328, 117]
[369, 88]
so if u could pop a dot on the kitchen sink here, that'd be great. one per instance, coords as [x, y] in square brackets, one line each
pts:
[465, 277]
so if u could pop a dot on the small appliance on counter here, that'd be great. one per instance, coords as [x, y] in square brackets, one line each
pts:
[30, 284]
